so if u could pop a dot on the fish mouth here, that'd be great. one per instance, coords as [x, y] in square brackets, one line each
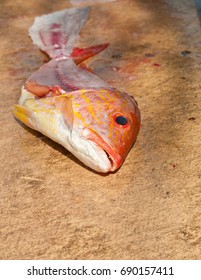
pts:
[113, 157]
[111, 160]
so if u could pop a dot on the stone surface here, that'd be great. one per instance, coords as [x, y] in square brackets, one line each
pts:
[51, 206]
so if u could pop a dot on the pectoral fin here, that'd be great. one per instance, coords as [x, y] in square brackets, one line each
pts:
[64, 104]
[24, 115]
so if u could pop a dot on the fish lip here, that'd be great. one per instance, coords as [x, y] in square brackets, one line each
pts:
[111, 160]
[113, 157]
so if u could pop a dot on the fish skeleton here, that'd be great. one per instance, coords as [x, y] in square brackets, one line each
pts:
[68, 103]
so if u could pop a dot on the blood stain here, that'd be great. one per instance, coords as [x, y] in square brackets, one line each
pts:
[156, 64]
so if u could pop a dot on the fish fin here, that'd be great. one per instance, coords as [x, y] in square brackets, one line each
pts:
[57, 32]
[64, 104]
[76, 78]
[24, 115]
[79, 55]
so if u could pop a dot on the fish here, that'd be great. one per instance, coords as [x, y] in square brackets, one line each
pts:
[67, 102]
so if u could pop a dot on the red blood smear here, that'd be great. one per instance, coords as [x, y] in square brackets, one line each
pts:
[156, 64]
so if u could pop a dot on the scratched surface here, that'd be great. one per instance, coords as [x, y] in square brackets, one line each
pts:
[51, 206]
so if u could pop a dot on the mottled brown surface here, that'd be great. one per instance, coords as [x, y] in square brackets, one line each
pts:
[54, 208]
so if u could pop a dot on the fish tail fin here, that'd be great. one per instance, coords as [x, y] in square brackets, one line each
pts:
[24, 115]
[57, 32]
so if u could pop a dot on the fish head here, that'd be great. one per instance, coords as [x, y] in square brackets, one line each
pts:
[105, 126]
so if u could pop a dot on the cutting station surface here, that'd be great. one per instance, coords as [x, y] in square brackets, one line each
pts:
[51, 206]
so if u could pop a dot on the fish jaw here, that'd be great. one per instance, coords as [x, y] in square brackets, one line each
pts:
[92, 150]
[89, 153]
[114, 158]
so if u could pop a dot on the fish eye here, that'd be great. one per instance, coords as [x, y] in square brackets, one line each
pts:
[121, 120]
